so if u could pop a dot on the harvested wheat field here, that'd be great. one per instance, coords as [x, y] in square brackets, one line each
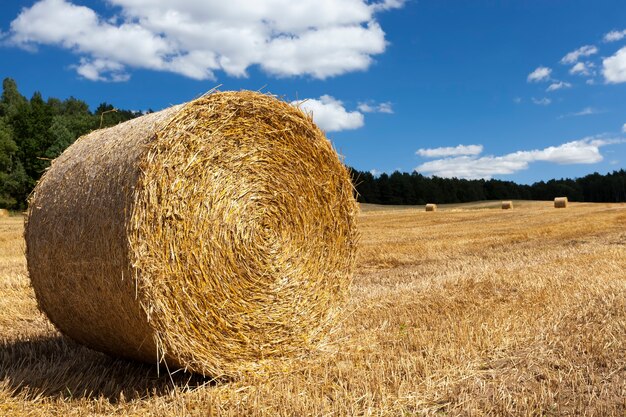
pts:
[472, 311]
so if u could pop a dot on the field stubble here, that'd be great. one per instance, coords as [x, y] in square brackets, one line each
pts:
[466, 311]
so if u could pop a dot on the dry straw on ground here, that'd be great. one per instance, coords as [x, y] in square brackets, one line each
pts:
[440, 324]
[431, 207]
[213, 236]
[4, 213]
[560, 202]
[507, 205]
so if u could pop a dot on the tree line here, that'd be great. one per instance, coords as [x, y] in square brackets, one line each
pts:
[403, 188]
[35, 131]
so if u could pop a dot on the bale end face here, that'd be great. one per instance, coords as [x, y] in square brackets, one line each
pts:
[560, 202]
[431, 207]
[213, 236]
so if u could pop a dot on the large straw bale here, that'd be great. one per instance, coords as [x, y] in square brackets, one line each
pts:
[507, 205]
[560, 202]
[213, 236]
[4, 213]
[431, 207]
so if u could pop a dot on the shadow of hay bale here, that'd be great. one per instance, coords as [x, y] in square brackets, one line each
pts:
[58, 367]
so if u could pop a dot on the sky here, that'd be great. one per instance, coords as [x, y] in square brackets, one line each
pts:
[520, 90]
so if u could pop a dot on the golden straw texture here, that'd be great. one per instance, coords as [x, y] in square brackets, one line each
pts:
[213, 236]
[431, 207]
[4, 213]
[560, 202]
[506, 205]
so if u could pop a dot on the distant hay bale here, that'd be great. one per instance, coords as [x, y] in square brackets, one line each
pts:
[431, 207]
[4, 213]
[507, 205]
[213, 236]
[560, 202]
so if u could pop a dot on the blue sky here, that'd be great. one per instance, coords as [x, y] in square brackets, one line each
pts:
[512, 89]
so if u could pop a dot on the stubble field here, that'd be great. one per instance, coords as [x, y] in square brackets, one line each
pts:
[467, 311]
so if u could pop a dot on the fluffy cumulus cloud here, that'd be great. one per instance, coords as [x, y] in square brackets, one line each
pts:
[372, 107]
[93, 70]
[615, 35]
[586, 62]
[614, 67]
[540, 74]
[330, 114]
[582, 68]
[450, 151]
[196, 38]
[583, 51]
[558, 85]
[389, 4]
[584, 151]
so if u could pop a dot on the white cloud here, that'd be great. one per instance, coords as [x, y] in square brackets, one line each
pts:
[112, 47]
[196, 38]
[450, 151]
[614, 67]
[95, 70]
[582, 68]
[615, 35]
[624, 128]
[539, 74]
[371, 107]
[542, 101]
[389, 4]
[330, 114]
[385, 108]
[558, 85]
[517, 100]
[471, 167]
[584, 112]
[583, 51]
[324, 52]
[584, 151]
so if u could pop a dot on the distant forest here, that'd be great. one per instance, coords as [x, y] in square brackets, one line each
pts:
[35, 131]
[403, 188]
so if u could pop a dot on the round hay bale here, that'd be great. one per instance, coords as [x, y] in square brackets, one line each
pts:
[431, 207]
[213, 236]
[4, 213]
[507, 205]
[560, 202]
